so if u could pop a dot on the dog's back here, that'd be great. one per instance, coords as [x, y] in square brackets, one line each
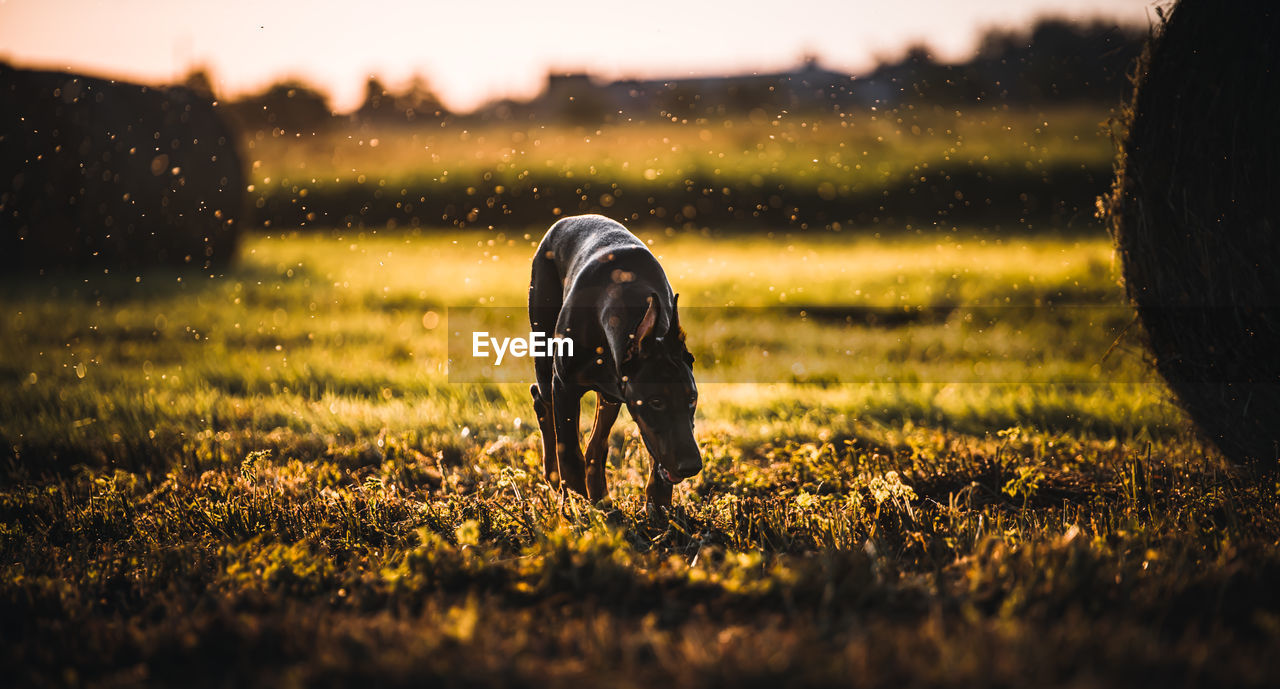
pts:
[586, 243]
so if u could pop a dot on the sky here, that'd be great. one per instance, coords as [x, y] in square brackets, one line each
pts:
[470, 52]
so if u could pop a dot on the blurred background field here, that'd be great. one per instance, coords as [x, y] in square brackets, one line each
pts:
[868, 147]
[306, 322]
[928, 165]
[1018, 136]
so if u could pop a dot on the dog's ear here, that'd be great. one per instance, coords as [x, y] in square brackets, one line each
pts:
[677, 343]
[675, 321]
[643, 335]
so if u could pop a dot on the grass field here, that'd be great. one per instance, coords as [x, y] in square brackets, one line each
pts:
[266, 478]
[997, 166]
[854, 148]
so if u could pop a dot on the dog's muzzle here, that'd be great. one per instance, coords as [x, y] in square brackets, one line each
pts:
[685, 472]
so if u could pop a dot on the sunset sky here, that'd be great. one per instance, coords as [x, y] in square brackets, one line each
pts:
[473, 51]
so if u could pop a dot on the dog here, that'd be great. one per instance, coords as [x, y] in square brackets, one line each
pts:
[595, 283]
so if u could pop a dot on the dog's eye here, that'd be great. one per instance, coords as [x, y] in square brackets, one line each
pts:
[658, 403]
[693, 402]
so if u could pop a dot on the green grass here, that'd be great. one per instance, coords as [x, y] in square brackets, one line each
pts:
[914, 166]
[870, 148]
[267, 478]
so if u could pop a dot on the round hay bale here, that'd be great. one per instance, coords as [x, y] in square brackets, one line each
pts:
[103, 175]
[1195, 211]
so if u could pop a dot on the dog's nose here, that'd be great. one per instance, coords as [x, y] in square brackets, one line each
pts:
[689, 467]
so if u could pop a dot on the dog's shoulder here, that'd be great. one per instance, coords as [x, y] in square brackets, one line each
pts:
[586, 243]
[585, 234]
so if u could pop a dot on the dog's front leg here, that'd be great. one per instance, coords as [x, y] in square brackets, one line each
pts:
[542, 409]
[657, 493]
[566, 406]
[598, 448]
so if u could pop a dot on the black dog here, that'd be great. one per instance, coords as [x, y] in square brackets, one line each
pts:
[595, 283]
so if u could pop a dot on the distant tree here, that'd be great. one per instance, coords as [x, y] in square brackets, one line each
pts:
[381, 106]
[199, 81]
[289, 105]
[1058, 59]
[1052, 61]
[376, 100]
[920, 77]
[420, 101]
[573, 98]
[919, 54]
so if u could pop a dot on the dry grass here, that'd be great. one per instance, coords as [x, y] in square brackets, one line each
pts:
[266, 479]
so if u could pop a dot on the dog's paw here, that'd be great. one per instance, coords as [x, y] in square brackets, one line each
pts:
[614, 516]
[657, 514]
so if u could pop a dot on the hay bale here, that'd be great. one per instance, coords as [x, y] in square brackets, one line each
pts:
[98, 174]
[1195, 211]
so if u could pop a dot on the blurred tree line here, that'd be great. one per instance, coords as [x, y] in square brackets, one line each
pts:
[1053, 61]
[293, 105]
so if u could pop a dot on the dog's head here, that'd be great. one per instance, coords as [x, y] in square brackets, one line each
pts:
[658, 385]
